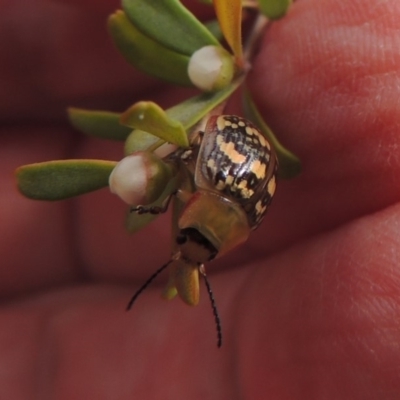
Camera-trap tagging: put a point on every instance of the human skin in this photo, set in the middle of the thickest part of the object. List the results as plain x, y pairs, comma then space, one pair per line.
310, 306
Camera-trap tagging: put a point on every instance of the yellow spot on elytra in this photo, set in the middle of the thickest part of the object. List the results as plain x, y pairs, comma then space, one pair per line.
211, 164
271, 186
229, 150
220, 185
242, 185
263, 142
260, 209
229, 180
247, 193
219, 140
249, 130
244, 191
222, 123
258, 168
241, 123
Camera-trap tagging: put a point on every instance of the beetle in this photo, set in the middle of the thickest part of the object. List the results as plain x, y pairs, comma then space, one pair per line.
228, 179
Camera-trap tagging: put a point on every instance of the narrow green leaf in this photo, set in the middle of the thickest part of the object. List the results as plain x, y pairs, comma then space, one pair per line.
289, 164
149, 117
146, 54
102, 124
169, 23
187, 113
58, 180
274, 9
214, 28
191, 111
140, 140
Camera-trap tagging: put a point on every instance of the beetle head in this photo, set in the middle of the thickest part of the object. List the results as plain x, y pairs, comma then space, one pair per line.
210, 225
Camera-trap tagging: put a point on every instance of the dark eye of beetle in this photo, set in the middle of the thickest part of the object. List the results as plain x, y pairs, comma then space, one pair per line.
181, 239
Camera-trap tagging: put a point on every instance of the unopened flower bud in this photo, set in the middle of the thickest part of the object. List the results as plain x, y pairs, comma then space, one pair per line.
211, 68
140, 178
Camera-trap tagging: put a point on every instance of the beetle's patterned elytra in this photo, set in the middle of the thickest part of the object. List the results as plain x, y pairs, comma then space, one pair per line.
237, 161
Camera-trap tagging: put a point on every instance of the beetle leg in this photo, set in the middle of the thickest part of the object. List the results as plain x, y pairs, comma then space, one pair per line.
154, 209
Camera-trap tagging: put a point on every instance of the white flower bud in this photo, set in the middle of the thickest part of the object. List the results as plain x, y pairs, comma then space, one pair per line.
211, 68
140, 178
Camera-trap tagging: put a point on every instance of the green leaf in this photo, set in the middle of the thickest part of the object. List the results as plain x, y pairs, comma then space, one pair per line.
214, 28
149, 117
140, 140
169, 23
58, 180
188, 113
274, 9
102, 124
146, 54
194, 109
289, 164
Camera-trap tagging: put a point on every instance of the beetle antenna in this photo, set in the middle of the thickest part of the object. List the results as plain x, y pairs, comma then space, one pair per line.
147, 283
213, 306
